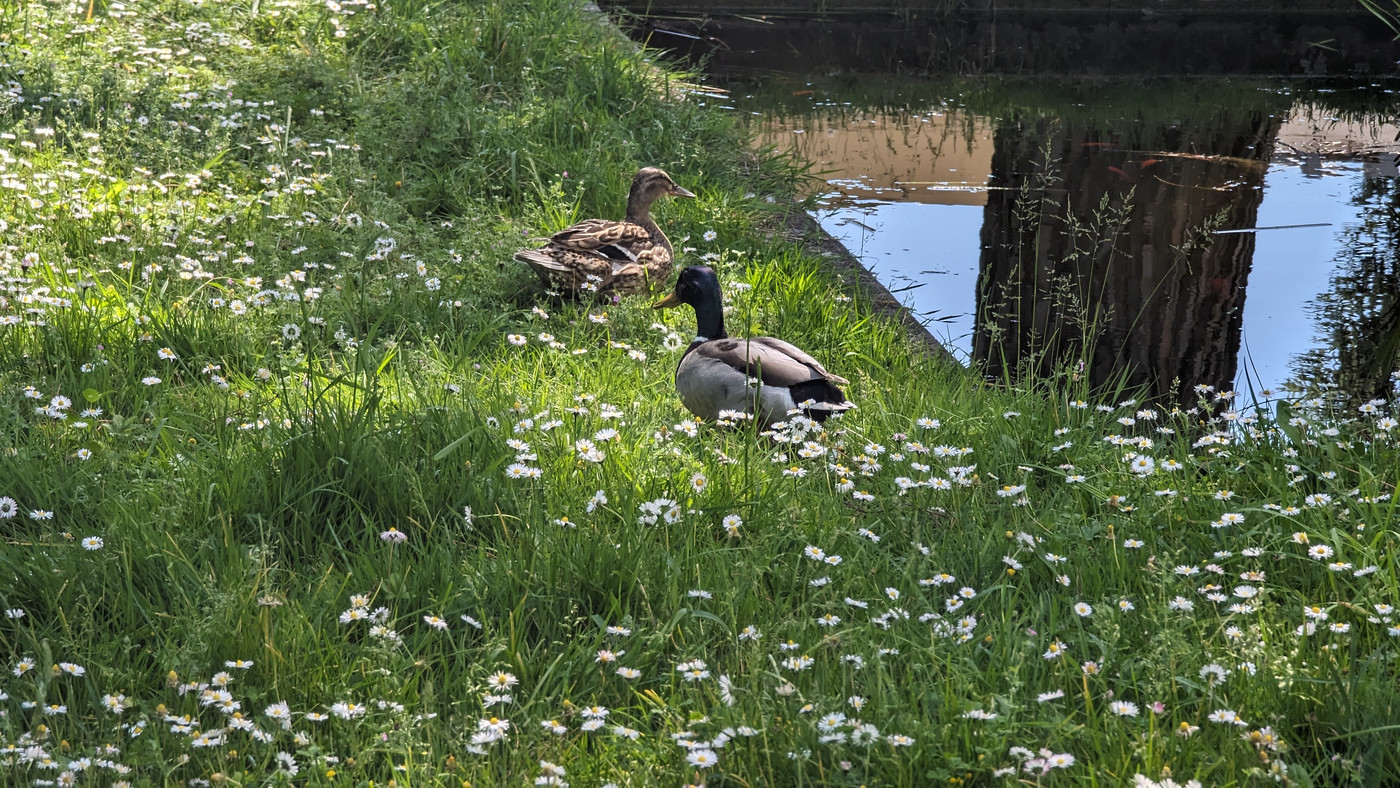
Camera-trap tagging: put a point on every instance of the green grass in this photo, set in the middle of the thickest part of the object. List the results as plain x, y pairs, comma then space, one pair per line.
162, 155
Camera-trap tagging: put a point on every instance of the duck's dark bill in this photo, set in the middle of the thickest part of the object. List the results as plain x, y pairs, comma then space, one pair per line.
677, 191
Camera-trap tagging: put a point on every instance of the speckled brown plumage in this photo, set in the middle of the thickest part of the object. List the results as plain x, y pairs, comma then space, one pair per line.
604, 256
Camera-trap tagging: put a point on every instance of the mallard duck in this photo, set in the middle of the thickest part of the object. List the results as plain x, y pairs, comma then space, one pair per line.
718, 373
604, 256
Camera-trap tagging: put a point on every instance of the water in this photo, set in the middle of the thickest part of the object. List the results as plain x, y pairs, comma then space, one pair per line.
1238, 233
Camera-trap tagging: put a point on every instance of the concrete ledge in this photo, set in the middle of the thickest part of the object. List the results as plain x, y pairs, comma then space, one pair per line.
1177, 39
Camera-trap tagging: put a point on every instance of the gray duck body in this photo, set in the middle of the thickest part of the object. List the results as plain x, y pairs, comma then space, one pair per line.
762, 376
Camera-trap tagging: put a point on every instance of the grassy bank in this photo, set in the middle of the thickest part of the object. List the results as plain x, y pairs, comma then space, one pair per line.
303, 480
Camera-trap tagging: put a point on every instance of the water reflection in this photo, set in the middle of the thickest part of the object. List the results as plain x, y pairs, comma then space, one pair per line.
941, 157
1358, 315
1120, 224
1098, 246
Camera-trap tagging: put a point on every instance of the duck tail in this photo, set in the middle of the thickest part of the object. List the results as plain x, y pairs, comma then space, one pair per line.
820, 399
540, 261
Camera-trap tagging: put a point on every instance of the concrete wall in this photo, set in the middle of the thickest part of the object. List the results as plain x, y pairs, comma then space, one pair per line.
845, 7
1076, 37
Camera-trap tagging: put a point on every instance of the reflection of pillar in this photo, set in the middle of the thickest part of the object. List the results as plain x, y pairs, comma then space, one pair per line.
1101, 238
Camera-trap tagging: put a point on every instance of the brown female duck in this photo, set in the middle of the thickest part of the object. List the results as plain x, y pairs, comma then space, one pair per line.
604, 256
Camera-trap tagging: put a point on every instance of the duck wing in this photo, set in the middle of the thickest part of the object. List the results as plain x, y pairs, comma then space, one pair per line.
773, 361
569, 267
649, 272
617, 241
778, 348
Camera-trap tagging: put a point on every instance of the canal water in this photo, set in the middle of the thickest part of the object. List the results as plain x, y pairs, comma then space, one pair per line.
1234, 232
